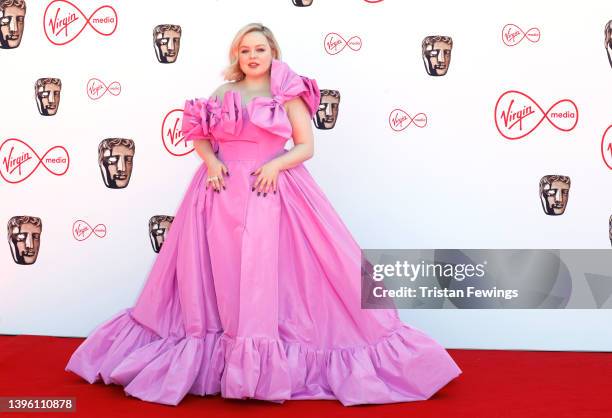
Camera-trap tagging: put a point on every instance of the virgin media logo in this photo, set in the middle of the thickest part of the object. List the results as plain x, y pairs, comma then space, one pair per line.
400, 120
96, 88
172, 135
517, 115
81, 230
513, 35
606, 147
63, 21
335, 43
18, 160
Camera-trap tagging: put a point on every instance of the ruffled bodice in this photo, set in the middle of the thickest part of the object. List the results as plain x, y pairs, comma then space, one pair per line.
263, 121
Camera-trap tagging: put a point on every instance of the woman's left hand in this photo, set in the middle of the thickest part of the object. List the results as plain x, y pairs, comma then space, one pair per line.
267, 175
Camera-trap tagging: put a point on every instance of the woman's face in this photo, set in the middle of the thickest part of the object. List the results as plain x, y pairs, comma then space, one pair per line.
254, 54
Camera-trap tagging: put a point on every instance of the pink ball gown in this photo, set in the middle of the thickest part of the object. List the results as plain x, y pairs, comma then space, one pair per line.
259, 297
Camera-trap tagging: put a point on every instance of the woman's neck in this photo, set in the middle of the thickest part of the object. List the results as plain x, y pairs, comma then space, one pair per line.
255, 84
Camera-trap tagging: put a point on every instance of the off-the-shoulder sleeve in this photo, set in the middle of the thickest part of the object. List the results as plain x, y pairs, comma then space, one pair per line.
199, 117
285, 84
311, 95
195, 119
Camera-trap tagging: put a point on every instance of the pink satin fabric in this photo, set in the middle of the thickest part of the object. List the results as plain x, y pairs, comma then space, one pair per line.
259, 297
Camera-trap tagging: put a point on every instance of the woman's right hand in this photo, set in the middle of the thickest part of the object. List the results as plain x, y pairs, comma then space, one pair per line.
216, 168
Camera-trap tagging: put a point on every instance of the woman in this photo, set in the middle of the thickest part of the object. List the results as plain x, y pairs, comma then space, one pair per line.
256, 290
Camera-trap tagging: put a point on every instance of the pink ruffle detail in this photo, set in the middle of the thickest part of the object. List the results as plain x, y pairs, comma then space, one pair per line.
164, 370
200, 116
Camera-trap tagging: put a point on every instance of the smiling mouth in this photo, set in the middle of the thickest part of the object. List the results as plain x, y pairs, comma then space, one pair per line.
120, 177
253, 65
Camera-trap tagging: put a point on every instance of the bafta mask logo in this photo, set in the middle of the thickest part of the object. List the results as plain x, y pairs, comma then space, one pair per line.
47, 91
554, 192
302, 3
24, 238
167, 40
327, 114
608, 40
437, 54
115, 158
159, 227
12, 18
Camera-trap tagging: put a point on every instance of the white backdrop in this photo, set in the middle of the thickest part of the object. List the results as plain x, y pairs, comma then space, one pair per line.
454, 184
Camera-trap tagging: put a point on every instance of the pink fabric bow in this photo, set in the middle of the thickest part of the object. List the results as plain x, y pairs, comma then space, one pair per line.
269, 113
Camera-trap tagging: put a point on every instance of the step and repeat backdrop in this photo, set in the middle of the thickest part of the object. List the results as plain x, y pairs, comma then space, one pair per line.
441, 125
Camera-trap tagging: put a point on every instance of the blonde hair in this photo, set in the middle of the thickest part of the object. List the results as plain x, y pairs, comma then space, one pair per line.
233, 72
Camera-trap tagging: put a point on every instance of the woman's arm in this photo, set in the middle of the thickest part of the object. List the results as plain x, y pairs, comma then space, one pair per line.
302, 135
204, 148
205, 151
215, 168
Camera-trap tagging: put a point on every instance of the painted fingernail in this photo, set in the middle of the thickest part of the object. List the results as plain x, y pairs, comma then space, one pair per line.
258, 193
253, 189
274, 191
228, 173
265, 194
223, 187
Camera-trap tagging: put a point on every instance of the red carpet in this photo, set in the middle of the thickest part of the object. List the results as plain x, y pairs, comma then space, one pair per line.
493, 384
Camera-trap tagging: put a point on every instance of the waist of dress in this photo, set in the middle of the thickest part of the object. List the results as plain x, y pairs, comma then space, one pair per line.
247, 150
